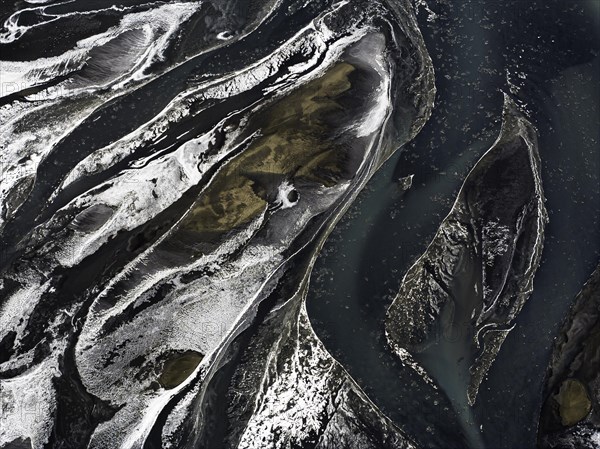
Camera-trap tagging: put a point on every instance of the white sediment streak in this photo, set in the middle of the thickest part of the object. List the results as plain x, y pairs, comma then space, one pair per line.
58, 110
28, 404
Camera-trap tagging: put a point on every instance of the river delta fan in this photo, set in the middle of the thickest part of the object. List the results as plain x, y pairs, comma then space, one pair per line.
170, 243
309, 224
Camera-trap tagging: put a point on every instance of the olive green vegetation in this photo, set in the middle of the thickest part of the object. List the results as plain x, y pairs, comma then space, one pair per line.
293, 145
574, 402
178, 368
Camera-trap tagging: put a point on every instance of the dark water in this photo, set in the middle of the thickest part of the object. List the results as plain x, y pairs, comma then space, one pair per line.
545, 53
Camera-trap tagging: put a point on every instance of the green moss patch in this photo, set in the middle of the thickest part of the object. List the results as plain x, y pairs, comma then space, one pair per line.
574, 402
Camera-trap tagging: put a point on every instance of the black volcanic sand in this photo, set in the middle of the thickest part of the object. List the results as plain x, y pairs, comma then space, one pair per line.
455, 304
